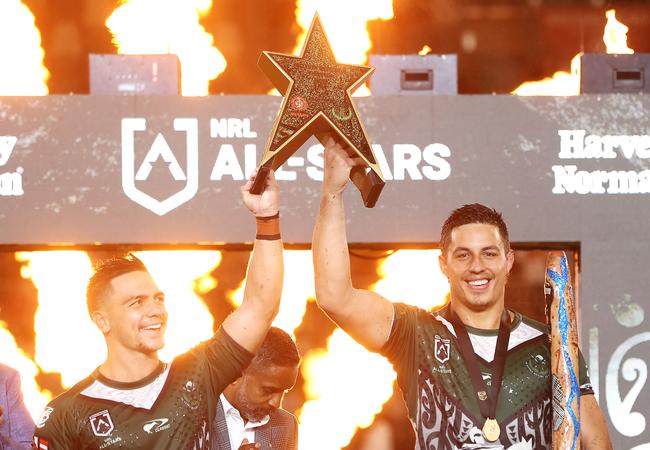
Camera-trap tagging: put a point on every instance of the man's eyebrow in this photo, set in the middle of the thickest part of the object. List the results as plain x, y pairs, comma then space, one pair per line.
133, 297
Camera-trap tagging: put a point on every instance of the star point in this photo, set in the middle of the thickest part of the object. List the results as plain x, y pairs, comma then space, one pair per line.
317, 100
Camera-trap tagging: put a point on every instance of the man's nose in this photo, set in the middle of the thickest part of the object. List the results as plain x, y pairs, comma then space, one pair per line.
275, 401
156, 308
476, 265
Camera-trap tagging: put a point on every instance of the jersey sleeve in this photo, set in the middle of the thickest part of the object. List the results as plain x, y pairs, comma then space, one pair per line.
401, 351
52, 430
585, 382
225, 360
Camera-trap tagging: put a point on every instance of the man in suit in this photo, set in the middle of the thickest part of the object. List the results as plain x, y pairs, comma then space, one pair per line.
248, 413
16, 425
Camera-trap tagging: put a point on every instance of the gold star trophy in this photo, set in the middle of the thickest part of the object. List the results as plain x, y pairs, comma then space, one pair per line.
317, 102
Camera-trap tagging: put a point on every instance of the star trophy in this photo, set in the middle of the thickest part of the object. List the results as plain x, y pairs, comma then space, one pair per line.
564, 353
317, 102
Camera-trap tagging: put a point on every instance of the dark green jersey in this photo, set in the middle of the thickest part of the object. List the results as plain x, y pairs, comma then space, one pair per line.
439, 393
170, 409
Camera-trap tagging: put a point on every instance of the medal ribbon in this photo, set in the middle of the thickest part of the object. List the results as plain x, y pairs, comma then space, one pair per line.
487, 403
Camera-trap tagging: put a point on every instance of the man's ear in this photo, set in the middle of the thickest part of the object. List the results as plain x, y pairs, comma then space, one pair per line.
442, 262
101, 320
510, 258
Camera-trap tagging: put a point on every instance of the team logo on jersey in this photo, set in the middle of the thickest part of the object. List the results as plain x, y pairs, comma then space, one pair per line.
101, 423
538, 366
44, 416
156, 425
191, 395
442, 349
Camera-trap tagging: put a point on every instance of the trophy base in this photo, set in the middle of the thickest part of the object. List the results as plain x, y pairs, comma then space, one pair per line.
369, 184
260, 179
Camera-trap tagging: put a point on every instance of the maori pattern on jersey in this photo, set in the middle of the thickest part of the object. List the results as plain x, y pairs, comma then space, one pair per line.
532, 425
443, 424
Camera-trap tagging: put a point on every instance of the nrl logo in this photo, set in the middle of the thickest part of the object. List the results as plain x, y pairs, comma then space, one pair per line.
160, 150
101, 423
442, 349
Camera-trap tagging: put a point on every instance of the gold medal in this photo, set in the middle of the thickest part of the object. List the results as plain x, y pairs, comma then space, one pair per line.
491, 430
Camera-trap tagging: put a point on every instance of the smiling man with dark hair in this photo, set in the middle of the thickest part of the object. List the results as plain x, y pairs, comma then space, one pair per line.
474, 375
135, 401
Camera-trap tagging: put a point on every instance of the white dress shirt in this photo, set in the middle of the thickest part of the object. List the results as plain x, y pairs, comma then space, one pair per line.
238, 428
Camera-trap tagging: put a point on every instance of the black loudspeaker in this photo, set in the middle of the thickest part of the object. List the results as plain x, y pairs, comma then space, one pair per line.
601, 73
414, 75
134, 75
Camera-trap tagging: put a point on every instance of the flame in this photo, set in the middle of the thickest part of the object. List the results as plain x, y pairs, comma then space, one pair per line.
297, 290
170, 26
615, 35
425, 51
347, 385
351, 398
23, 72
565, 83
64, 330
413, 277
345, 23
62, 326
35, 399
561, 83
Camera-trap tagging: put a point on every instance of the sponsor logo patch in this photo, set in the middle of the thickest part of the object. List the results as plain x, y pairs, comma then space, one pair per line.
156, 425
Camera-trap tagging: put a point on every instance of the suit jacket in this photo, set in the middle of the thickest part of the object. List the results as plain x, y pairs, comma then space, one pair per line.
279, 433
17, 428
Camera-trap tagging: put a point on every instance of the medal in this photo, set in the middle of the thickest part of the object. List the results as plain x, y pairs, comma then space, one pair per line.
491, 430
487, 403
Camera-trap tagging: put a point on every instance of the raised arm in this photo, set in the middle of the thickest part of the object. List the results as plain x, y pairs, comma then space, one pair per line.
364, 315
594, 434
250, 322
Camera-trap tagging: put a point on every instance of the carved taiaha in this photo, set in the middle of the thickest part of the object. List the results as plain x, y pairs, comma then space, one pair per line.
565, 384
317, 102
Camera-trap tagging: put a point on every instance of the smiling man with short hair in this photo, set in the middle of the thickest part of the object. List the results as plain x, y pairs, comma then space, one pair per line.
135, 401
474, 375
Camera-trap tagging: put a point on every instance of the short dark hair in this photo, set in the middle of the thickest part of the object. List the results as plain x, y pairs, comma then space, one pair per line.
278, 349
100, 282
474, 213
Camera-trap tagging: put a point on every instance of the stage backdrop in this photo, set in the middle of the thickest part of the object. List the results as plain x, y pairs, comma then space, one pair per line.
145, 170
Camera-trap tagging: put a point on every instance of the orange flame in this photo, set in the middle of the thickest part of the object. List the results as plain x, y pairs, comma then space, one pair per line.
62, 326
297, 290
35, 399
351, 398
615, 35
170, 26
345, 384
425, 51
345, 23
23, 72
565, 83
